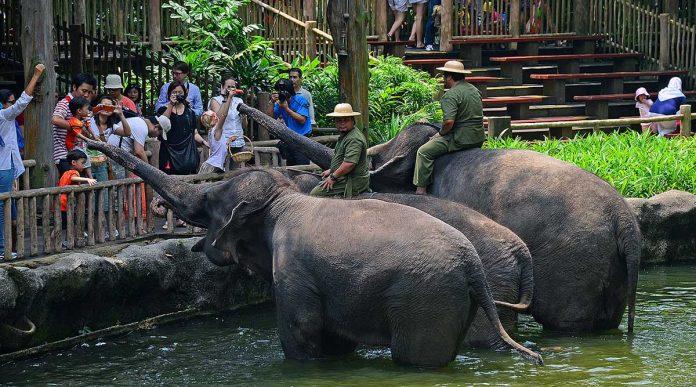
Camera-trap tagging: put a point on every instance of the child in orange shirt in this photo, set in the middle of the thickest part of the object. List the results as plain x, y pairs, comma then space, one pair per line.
77, 159
79, 124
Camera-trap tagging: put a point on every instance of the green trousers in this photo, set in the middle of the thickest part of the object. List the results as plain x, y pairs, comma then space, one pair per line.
428, 153
345, 188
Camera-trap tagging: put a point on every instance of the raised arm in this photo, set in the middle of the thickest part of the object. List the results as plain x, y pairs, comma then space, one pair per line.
18, 107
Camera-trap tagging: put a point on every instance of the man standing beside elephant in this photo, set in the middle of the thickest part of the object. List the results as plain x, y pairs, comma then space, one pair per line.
462, 126
348, 174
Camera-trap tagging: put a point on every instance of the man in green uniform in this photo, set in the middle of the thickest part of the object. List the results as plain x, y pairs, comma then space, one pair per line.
349, 175
462, 127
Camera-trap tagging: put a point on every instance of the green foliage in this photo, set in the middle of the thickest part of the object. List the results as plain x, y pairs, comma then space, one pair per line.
216, 39
637, 165
398, 95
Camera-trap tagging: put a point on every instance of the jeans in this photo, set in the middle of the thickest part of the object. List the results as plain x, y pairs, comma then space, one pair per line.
6, 179
101, 173
429, 38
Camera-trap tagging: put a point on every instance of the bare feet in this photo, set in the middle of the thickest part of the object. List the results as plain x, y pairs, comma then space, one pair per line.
421, 191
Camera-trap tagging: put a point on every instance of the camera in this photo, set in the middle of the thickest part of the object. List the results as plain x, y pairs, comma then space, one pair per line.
283, 95
180, 98
284, 89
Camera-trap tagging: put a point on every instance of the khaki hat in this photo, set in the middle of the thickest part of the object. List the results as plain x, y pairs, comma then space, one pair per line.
113, 81
343, 110
453, 66
164, 123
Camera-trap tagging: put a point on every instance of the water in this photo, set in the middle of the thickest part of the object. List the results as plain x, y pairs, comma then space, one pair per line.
243, 348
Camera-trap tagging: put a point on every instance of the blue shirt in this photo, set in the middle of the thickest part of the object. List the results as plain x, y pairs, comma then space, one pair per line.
194, 97
299, 105
668, 106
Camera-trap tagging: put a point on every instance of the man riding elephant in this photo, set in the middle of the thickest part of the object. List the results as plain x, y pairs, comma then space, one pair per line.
349, 174
462, 126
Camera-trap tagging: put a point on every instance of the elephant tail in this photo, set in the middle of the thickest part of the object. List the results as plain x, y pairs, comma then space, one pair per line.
629, 241
524, 261
482, 294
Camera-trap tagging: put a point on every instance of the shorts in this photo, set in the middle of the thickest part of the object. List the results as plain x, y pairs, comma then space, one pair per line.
399, 5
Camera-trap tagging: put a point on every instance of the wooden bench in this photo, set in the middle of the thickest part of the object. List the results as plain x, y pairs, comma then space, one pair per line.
511, 66
517, 107
598, 105
392, 47
526, 45
612, 83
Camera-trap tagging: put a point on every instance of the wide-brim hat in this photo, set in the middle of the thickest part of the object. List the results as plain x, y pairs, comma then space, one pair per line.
343, 110
113, 81
165, 124
641, 91
453, 66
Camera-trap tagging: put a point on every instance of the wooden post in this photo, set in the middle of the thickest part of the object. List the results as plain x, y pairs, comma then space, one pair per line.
671, 7
514, 18
309, 10
685, 127
349, 31
37, 46
79, 13
77, 49
581, 17
498, 125
310, 39
381, 20
265, 105
446, 25
155, 26
664, 41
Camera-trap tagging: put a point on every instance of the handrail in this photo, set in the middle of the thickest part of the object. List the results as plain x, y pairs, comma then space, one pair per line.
597, 123
292, 19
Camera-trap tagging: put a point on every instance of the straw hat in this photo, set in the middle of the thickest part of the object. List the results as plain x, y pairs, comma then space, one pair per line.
113, 81
343, 110
453, 66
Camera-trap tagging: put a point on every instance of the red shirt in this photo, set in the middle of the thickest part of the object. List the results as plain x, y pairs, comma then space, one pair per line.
66, 179
128, 103
71, 139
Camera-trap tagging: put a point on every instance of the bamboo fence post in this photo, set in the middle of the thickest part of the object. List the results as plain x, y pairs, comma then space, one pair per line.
57, 225
446, 25
685, 127
124, 206
20, 227
33, 230
310, 39
90, 219
139, 209
80, 221
131, 210
46, 223
8, 229
112, 204
70, 221
100, 216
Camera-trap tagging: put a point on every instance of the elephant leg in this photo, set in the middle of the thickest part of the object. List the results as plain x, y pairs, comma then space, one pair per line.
334, 345
426, 341
300, 326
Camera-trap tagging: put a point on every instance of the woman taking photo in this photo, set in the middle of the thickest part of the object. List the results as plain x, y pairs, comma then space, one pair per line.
228, 131
106, 115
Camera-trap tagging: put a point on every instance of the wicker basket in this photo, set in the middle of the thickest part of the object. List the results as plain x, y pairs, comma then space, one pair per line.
243, 156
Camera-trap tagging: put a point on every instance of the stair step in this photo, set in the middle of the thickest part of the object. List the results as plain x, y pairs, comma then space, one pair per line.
556, 110
501, 91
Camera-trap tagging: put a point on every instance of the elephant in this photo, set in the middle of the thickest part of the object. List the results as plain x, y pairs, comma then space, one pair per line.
343, 272
584, 240
506, 259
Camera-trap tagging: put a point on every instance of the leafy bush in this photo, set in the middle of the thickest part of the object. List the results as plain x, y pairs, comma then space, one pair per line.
637, 165
397, 96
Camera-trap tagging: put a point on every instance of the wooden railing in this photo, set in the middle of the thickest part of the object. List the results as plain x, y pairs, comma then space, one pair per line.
665, 42
502, 126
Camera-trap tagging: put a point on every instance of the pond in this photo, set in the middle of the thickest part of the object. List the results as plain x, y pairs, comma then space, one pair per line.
243, 348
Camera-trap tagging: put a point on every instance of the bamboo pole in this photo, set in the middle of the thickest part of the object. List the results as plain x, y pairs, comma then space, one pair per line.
20, 228
446, 25
664, 41
598, 123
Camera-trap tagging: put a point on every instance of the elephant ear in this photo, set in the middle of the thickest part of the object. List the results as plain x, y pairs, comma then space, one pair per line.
227, 237
397, 172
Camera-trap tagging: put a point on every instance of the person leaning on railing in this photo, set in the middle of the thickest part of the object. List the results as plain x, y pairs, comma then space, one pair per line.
11, 166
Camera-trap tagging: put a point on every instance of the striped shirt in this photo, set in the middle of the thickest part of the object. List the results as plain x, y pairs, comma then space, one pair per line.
60, 151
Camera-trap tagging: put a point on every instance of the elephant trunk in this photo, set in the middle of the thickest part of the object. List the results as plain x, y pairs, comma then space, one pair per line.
524, 260
187, 200
319, 154
482, 294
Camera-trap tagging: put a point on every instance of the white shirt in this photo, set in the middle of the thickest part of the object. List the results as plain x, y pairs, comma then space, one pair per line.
95, 129
9, 153
231, 127
139, 133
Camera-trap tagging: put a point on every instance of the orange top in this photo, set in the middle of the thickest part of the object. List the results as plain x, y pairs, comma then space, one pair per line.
66, 179
71, 139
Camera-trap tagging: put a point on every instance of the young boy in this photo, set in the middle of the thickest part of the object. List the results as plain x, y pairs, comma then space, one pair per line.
77, 159
79, 124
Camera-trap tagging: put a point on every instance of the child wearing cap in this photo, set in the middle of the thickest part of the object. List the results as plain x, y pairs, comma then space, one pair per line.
643, 104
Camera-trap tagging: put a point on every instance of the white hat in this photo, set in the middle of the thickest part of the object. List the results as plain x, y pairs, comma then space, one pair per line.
165, 124
641, 91
453, 66
343, 110
113, 81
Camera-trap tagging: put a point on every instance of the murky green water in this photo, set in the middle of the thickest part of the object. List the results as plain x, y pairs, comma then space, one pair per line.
243, 348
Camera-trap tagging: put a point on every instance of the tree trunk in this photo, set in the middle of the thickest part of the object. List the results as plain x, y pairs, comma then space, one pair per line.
348, 23
37, 47
155, 27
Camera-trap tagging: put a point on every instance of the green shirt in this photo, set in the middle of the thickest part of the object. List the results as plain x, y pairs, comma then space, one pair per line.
352, 147
463, 104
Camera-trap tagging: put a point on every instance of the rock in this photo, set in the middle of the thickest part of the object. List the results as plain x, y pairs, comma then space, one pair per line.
81, 291
668, 224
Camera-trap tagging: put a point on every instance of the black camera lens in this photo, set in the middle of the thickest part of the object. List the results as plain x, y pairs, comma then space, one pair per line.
180, 98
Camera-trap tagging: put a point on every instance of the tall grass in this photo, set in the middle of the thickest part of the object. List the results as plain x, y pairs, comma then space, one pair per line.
637, 165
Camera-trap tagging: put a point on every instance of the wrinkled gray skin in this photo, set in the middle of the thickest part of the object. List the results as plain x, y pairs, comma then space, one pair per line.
506, 260
583, 237
343, 272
